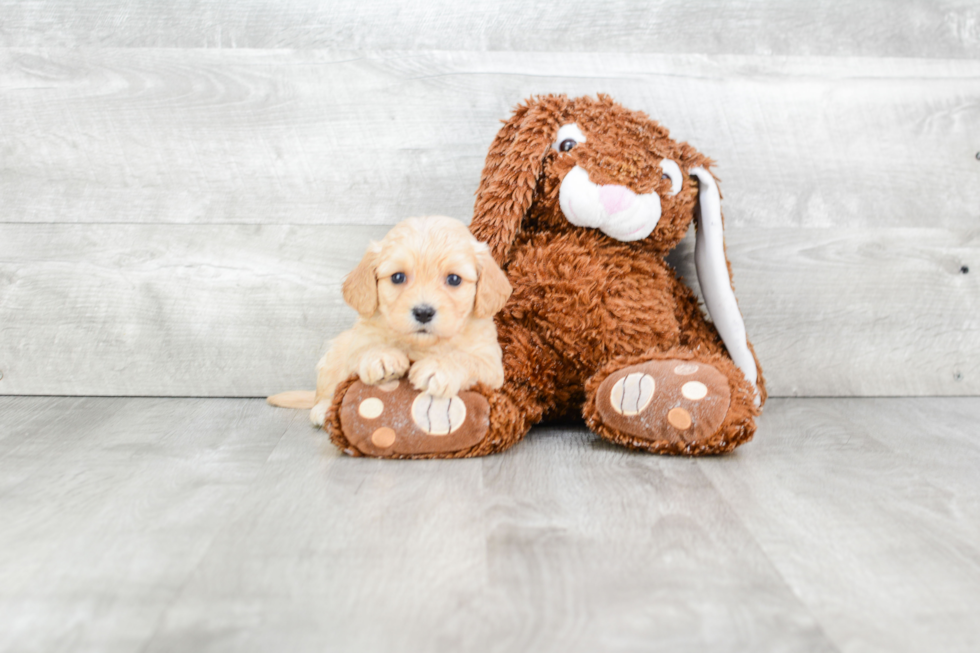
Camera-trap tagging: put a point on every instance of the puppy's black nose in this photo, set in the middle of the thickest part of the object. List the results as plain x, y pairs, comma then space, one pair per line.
423, 313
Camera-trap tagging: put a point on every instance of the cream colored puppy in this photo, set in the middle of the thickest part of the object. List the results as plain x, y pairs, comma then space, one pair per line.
426, 295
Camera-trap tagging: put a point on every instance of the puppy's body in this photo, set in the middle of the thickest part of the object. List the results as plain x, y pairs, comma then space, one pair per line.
426, 295
376, 355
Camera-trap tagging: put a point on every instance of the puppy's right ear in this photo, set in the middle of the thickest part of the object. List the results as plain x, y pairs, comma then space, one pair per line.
361, 285
511, 173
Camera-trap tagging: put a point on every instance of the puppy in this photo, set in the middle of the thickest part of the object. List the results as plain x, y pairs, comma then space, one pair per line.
425, 295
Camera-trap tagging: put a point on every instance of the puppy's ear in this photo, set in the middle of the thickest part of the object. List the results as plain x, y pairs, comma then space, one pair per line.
492, 286
511, 172
361, 285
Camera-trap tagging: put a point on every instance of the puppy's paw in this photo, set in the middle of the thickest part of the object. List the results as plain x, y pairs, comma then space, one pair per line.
435, 377
318, 415
382, 365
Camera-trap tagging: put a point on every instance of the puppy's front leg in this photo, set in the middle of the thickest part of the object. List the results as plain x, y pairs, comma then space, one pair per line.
330, 371
335, 366
440, 376
373, 366
382, 364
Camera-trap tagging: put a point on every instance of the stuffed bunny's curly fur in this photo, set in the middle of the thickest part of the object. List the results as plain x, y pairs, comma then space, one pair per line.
580, 201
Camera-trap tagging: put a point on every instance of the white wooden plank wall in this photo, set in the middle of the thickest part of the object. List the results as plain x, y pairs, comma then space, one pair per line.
184, 184
218, 136
947, 29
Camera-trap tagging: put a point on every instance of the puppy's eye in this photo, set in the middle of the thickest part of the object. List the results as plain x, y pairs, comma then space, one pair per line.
397, 278
454, 280
567, 144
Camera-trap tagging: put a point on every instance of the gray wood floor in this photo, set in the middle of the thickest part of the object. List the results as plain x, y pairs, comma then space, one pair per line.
140, 524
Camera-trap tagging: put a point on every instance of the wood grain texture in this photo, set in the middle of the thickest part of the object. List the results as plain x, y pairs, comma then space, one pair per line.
170, 309
914, 28
362, 556
856, 502
356, 557
245, 310
653, 572
109, 504
368, 137
858, 312
227, 525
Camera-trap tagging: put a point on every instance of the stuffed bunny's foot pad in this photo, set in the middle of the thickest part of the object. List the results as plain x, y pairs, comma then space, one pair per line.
394, 420
677, 401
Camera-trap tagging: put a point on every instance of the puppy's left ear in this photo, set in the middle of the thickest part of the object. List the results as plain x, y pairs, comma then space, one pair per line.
492, 286
361, 285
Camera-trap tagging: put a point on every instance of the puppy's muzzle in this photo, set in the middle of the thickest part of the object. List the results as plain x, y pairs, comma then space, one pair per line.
423, 314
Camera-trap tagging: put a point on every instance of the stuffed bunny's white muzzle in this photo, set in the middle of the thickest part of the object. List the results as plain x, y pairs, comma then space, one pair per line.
614, 210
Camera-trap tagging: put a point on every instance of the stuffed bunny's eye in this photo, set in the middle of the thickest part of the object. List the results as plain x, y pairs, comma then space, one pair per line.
672, 172
568, 137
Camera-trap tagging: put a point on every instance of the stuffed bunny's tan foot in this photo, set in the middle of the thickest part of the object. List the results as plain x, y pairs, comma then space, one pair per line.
669, 404
394, 420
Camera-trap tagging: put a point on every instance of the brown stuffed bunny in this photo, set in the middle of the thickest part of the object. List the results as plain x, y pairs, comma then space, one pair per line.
580, 201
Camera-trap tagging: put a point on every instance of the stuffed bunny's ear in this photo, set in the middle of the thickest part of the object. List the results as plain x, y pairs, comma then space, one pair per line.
510, 175
713, 276
361, 285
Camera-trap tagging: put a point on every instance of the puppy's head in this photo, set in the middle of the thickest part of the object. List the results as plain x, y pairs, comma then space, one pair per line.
426, 278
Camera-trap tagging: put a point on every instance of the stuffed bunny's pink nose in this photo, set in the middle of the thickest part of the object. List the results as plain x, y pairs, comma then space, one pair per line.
616, 198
